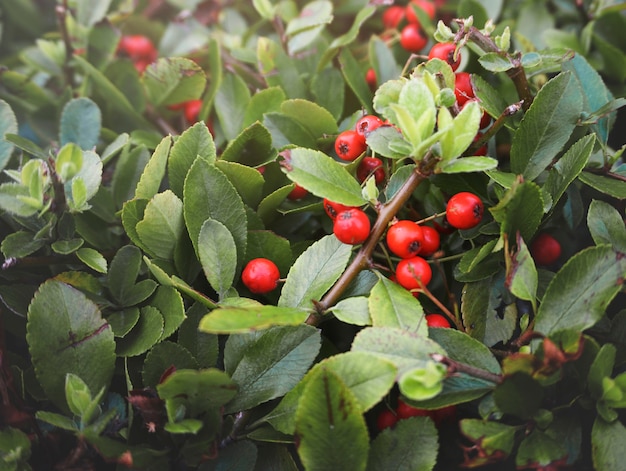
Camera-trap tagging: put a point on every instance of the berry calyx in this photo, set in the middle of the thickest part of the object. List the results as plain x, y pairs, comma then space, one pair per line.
464, 210
437, 320
392, 16
412, 38
369, 166
413, 273
349, 145
405, 238
463, 89
367, 124
332, 209
386, 419
432, 241
426, 6
297, 193
445, 52
351, 226
260, 275
545, 249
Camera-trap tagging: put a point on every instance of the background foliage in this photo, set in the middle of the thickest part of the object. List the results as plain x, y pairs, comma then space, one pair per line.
127, 339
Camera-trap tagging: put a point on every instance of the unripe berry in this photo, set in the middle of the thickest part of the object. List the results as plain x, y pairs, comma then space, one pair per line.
260, 275
351, 226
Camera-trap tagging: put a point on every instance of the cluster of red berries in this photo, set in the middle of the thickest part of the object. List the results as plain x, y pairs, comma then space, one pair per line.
412, 36
191, 109
139, 49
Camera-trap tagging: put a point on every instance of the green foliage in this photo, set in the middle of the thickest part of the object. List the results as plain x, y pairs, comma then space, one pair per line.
127, 217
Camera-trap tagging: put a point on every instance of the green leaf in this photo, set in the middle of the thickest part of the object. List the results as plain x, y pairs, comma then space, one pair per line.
90, 12
470, 164
93, 259
153, 173
461, 134
203, 346
383, 60
495, 62
415, 111
252, 147
80, 123
314, 272
66, 334
495, 439
323, 176
608, 186
218, 255
195, 142
390, 305
8, 125
353, 75
568, 167
385, 141
286, 132
209, 194
163, 356
128, 169
519, 395
173, 80
247, 181
145, 334
354, 310
329, 89
21, 244
272, 364
266, 244
410, 445
539, 448
162, 225
607, 445
264, 101
26, 145
601, 368
58, 420
68, 161
229, 320
522, 278
122, 322
123, 272
66, 247
231, 102
520, 209
15, 449
546, 126
79, 397
332, 432
278, 69
606, 225
424, 382
304, 29
578, 295
317, 120
170, 304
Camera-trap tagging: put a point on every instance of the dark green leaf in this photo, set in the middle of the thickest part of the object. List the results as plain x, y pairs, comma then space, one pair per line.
495, 439
519, 395
607, 445
578, 295
264, 101
287, 132
539, 449
546, 126
348, 37
329, 89
522, 278
355, 78
173, 80
606, 185
127, 174
122, 322
520, 209
203, 346
8, 125
247, 181
154, 171
163, 356
252, 147
162, 225
606, 225
20, 244
218, 255
170, 304
66, 334
145, 334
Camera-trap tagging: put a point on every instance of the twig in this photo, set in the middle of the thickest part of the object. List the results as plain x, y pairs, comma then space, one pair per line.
457, 367
61, 12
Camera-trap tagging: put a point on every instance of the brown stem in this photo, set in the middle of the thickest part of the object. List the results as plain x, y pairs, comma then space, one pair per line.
61, 12
494, 128
616, 176
457, 367
363, 257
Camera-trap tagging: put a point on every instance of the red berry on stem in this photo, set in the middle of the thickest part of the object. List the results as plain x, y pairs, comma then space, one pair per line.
405, 238
368, 166
297, 193
545, 249
432, 240
351, 226
392, 16
445, 52
367, 124
404, 411
482, 150
411, 271
463, 88
412, 38
370, 78
426, 6
260, 275
437, 320
349, 145
464, 210
386, 419
332, 208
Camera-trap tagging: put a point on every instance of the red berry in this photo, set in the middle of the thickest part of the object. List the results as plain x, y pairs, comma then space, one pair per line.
141, 64
392, 16
332, 208
370, 78
369, 166
138, 47
386, 419
482, 150
192, 109
410, 271
405, 238
367, 124
349, 145
432, 240
412, 38
351, 226
437, 320
485, 120
545, 249
445, 414
464, 210
404, 411
445, 52
260, 275
425, 5
463, 88
297, 193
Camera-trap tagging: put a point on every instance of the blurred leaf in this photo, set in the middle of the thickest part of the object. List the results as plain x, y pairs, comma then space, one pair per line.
278, 69
304, 29
470, 164
173, 80
578, 295
162, 225
314, 272
273, 364
348, 37
20, 244
355, 78
606, 225
546, 126
390, 305
329, 89
218, 255
332, 432
231, 103
383, 60
228, 320
495, 439
80, 123
145, 334
203, 346
62, 321
322, 176
539, 448
8, 125
90, 12
519, 395
607, 445
411, 444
